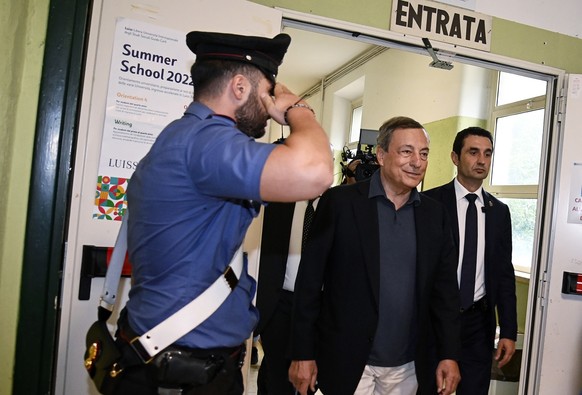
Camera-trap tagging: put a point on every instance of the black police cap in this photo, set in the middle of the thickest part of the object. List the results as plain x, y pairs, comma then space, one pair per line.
264, 53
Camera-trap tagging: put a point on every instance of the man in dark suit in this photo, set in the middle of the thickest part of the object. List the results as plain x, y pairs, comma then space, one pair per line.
281, 244
378, 272
492, 275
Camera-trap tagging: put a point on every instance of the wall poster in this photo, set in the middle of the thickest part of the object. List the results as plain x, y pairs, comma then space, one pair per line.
149, 86
575, 202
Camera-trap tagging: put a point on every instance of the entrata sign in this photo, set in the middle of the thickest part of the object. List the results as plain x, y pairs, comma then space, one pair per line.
442, 23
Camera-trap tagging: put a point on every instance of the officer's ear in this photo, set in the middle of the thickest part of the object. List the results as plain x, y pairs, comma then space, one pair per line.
240, 88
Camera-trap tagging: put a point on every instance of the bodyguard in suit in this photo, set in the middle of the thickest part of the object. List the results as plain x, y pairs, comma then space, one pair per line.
379, 269
284, 227
490, 282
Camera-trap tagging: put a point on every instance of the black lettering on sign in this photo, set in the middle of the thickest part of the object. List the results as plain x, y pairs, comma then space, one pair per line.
440, 21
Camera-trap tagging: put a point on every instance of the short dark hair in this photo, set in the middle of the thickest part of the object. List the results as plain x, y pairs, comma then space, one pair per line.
387, 129
470, 131
209, 77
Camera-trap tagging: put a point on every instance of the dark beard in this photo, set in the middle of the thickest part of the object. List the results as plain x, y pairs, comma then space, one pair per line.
250, 118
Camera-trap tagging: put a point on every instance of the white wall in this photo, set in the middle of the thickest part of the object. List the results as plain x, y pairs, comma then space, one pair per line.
545, 14
402, 83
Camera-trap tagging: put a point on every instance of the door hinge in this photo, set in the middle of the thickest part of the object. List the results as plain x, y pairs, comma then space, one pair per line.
543, 289
561, 106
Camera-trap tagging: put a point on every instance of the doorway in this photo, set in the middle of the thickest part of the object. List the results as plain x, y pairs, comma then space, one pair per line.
381, 78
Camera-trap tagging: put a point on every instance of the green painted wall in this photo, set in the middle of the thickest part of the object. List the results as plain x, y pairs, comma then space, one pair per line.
442, 133
537, 46
509, 39
521, 290
23, 26
23, 23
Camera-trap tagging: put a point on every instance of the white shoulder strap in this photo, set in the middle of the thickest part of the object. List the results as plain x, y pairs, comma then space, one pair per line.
182, 321
191, 315
113, 274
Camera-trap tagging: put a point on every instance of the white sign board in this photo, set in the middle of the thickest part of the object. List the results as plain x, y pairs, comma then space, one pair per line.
575, 204
432, 20
149, 86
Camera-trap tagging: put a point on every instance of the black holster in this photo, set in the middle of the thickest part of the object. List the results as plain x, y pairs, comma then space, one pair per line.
176, 368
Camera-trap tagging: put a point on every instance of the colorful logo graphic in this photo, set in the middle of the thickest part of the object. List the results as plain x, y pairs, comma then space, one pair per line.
110, 200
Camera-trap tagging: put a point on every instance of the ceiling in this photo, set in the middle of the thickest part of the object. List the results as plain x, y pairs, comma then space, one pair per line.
312, 56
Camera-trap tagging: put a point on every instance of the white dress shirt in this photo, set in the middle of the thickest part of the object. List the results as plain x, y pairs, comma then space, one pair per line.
295, 244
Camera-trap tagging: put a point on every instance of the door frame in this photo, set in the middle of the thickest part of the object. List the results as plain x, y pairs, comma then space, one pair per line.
46, 224
538, 287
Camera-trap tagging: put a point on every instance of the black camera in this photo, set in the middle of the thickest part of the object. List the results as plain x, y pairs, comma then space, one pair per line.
365, 170
368, 161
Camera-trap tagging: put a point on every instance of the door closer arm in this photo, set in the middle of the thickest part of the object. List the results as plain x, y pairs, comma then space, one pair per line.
439, 64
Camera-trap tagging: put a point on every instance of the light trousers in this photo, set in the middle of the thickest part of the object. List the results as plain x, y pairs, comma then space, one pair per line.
399, 380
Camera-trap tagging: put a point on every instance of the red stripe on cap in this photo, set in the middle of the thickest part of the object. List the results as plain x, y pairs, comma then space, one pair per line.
224, 55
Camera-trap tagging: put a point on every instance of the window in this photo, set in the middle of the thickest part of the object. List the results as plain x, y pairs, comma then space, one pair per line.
517, 136
513, 88
522, 226
518, 124
356, 122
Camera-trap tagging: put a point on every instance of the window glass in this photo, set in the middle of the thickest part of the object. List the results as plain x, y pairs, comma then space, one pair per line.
523, 215
356, 124
514, 88
518, 143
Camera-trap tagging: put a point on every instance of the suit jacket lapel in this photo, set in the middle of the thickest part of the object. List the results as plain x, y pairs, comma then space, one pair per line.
422, 239
366, 219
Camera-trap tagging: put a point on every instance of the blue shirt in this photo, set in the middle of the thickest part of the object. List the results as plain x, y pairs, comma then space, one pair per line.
192, 199
394, 343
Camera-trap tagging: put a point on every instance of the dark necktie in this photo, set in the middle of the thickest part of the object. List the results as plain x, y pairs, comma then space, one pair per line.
309, 213
469, 254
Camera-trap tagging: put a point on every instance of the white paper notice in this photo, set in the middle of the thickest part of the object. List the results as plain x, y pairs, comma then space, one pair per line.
575, 202
149, 86
575, 87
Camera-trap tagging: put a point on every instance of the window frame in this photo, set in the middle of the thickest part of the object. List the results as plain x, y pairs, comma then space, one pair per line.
515, 191
355, 104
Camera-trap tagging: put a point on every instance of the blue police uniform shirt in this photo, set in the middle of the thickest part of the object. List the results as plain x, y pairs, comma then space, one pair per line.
192, 199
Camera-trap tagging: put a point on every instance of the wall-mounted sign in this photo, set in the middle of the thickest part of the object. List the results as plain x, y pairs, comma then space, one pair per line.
575, 203
149, 86
443, 23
